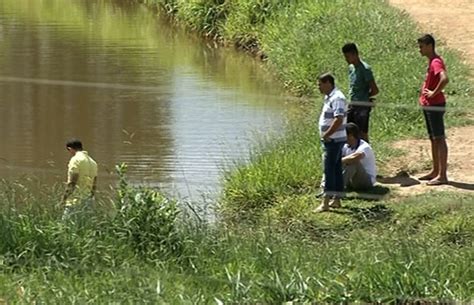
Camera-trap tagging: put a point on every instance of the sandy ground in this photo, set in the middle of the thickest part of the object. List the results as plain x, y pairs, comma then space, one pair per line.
452, 22
416, 161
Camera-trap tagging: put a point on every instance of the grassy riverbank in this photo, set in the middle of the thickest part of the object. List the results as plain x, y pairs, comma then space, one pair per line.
392, 250
300, 40
417, 249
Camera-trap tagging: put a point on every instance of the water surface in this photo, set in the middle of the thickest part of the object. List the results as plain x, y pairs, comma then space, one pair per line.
132, 88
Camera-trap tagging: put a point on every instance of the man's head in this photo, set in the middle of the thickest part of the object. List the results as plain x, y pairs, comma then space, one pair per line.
426, 43
326, 83
73, 146
351, 54
353, 134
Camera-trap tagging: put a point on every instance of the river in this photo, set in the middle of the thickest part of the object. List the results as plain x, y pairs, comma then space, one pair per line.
134, 89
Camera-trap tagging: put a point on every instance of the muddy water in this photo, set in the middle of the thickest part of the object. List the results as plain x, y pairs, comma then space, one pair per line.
133, 89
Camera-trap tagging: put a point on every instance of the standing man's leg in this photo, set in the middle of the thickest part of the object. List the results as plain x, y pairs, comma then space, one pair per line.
435, 156
332, 155
439, 138
351, 114
328, 176
364, 116
434, 149
439, 149
360, 115
442, 160
339, 178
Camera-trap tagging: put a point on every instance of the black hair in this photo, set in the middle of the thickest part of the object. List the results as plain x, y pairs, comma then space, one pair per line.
350, 48
327, 77
427, 39
74, 144
353, 130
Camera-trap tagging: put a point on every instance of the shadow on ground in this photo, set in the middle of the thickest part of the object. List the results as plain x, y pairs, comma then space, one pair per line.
462, 185
375, 193
402, 178
378, 212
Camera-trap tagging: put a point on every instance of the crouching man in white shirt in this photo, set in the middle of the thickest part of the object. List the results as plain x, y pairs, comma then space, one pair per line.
358, 161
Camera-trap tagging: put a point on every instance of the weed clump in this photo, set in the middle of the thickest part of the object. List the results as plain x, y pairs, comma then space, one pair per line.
146, 218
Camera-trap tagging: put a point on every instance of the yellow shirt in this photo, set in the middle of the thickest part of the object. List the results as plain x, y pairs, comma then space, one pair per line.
83, 165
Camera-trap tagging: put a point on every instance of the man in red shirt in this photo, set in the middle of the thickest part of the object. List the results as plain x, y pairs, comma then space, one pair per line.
433, 102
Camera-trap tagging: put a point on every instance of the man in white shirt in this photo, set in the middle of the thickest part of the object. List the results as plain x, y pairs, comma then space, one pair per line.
333, 136
358, 161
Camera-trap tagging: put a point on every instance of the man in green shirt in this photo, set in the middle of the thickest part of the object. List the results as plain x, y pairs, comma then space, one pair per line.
362, 90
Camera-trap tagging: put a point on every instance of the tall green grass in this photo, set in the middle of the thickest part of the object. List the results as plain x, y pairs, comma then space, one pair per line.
417, 250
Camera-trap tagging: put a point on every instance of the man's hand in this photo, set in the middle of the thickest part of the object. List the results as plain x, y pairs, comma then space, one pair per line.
66, 195
71, 185
443, 80
336, 123
325, 137
428, 93
353, 158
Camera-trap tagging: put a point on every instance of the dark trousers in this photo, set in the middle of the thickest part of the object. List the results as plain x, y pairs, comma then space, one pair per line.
334, 180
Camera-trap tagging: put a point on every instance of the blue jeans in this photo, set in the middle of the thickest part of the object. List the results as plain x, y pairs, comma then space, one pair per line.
334, 183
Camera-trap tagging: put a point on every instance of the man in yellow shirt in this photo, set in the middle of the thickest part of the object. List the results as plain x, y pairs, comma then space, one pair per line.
81, 179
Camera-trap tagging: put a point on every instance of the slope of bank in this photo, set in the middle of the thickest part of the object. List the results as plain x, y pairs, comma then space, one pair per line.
301, 39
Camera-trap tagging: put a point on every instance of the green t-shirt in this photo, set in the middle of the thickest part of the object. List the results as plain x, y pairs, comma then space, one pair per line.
359, 79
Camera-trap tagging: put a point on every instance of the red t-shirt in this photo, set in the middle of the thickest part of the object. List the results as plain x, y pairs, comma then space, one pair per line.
435, 67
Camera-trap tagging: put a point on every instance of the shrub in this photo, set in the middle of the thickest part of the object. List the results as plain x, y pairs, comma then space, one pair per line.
146, 218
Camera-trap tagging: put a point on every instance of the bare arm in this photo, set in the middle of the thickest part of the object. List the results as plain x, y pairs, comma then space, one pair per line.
353, 158
336, 123
373, 89
70, 187
443, 81
94, 187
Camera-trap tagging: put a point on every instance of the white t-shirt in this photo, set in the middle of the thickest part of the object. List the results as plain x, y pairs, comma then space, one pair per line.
368, 161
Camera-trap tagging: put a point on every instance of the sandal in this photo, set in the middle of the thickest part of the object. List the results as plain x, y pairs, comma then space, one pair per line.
321, 208
437, 182
335, 204
426, 177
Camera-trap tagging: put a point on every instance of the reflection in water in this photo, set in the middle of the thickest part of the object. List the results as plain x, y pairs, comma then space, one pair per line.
134, 90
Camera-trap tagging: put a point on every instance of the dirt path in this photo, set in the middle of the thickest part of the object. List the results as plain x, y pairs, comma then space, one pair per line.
449, 20
452, 22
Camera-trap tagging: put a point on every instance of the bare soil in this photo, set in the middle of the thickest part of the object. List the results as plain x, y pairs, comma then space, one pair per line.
452, 22
416, 161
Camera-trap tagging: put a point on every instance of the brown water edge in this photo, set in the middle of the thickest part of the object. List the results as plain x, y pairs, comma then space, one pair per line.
133, 89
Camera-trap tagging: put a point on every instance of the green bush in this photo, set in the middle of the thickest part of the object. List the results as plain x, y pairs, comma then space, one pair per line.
146, 218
